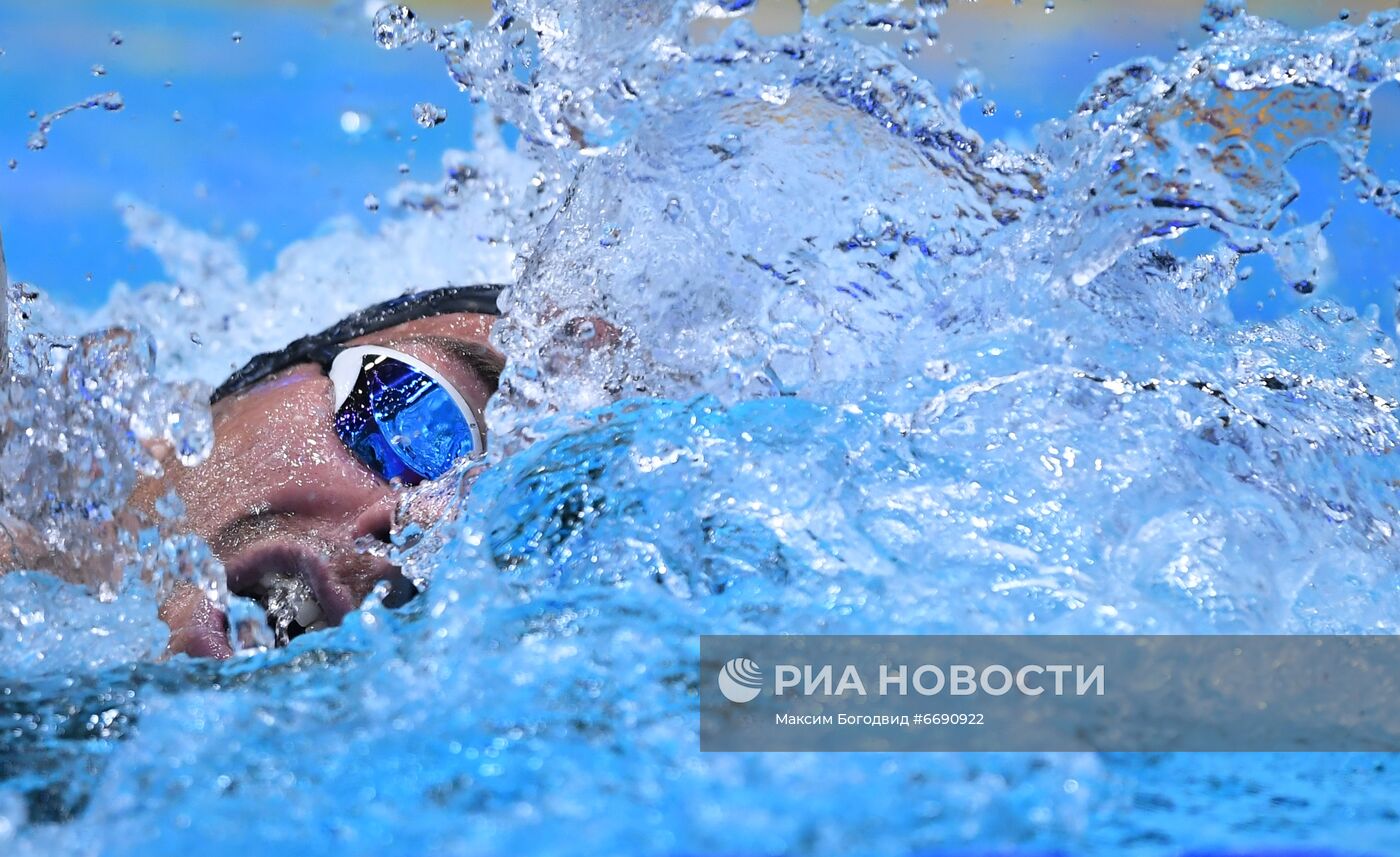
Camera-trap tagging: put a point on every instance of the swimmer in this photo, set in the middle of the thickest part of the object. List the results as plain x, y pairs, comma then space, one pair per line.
309, 444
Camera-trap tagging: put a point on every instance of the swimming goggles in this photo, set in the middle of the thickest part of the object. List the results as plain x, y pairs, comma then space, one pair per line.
399, 417
394, 413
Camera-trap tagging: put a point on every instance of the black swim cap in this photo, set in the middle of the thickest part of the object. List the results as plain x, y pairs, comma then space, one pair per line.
321, 347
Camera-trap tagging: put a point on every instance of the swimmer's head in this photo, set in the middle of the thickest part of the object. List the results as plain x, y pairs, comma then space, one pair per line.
309, 445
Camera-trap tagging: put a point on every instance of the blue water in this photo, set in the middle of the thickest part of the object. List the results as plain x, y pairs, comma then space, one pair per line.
798, 344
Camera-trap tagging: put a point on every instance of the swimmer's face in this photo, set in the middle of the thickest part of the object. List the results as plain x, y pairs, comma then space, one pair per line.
288, 508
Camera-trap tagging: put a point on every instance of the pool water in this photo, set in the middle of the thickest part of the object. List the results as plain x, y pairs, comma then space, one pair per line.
848, 366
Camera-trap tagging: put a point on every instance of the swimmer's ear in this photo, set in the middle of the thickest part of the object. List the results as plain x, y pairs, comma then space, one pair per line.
592, 332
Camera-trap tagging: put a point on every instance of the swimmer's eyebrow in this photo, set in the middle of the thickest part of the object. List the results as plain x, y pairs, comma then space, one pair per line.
478, 359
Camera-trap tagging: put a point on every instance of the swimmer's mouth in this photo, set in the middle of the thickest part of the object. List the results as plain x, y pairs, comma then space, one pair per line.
291, 584
291, 606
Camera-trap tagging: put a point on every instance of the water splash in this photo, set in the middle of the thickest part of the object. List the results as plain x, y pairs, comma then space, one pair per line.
792, 350
210, 314
110, 101
83, 419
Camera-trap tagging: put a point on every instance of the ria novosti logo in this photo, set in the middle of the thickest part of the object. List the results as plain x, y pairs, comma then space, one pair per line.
740, 680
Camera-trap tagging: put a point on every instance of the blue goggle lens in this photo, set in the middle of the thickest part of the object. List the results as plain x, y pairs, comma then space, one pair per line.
403, 424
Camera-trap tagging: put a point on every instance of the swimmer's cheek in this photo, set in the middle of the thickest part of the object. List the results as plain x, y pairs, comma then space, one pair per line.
197, 627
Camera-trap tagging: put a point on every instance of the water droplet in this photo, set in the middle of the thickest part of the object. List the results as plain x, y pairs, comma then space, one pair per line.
99, 70
237, 37
395, 25
371, 202
115, 38
428, 114
1181, 45
1049, 6
1303, 257
1344, 14
778, 95
989, 108
177, 117
403, 169
13, 163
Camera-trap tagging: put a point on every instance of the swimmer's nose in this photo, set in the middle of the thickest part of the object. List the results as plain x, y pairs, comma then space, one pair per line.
376, 521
